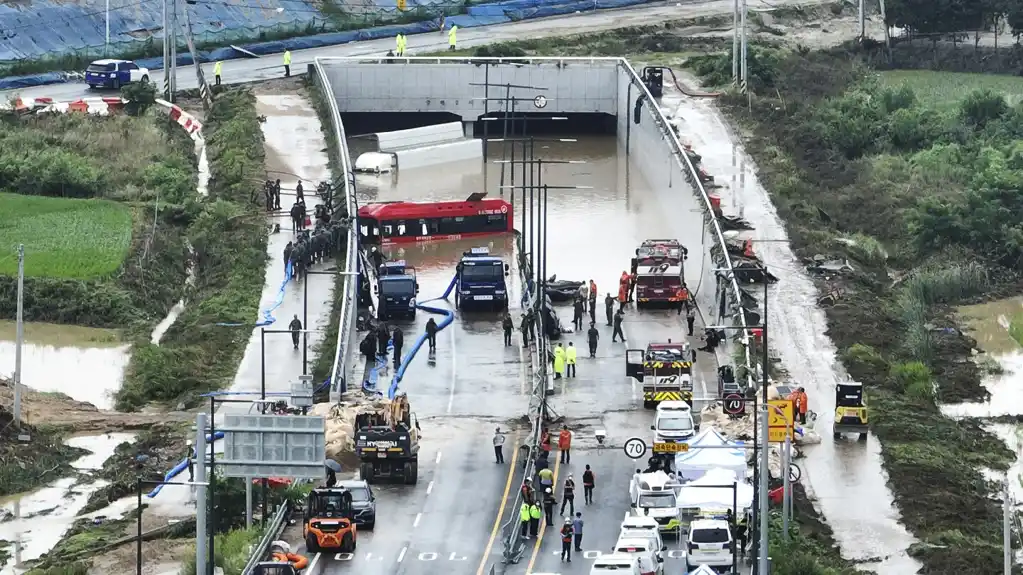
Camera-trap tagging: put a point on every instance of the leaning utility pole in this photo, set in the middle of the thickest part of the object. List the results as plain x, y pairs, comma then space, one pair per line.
744, 82
20, 338
166, 53
735, 43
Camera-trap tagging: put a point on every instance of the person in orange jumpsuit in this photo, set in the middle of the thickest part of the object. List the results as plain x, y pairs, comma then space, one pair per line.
565, 444
800, 401
623, 290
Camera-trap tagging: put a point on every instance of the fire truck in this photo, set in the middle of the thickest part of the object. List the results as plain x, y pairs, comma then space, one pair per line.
664, 369
660, 273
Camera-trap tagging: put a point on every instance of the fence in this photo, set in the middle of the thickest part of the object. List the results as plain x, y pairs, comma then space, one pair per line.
273, 533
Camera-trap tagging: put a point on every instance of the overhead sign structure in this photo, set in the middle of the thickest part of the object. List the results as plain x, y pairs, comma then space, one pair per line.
734, 404
273, 446
635, 448
780, 421
669, 447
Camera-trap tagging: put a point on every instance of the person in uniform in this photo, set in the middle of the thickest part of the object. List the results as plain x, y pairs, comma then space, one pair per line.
619, 316
570, 358
499, 437
609, 308
592, 336
431, 334
398, 341
567, 535
507, 325
295, 326
568, 495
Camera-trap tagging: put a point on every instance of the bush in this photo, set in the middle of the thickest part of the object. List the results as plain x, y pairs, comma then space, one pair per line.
982, 107
231, 551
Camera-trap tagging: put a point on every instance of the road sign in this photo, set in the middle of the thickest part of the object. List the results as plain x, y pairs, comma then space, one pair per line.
540, 101
273, 446
402, 5
734, 404
671, 447
780, 425
302, 391
635, 448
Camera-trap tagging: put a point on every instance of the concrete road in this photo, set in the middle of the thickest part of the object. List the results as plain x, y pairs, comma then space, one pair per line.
271, 66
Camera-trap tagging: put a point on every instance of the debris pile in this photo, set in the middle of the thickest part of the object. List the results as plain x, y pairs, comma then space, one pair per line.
340, 424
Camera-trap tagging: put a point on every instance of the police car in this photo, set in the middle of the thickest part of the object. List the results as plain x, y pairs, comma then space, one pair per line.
114, 74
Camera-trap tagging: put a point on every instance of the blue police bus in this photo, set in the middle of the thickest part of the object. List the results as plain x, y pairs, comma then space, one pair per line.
396, 290
481, 281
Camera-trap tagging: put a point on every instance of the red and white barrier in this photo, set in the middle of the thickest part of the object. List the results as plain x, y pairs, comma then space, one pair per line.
99, 107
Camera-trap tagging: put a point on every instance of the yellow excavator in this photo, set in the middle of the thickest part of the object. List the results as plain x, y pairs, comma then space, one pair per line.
850, 410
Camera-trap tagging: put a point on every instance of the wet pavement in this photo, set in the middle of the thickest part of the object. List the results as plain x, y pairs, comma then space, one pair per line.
56, 357
269, 67
38, 520
845, 477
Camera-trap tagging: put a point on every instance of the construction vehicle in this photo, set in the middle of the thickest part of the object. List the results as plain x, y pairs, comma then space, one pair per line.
328, 524
396, 290
664, 369
387, 443
659, 272
850, 410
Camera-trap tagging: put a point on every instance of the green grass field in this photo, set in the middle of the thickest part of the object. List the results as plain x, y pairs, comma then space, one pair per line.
945, 89
75, 239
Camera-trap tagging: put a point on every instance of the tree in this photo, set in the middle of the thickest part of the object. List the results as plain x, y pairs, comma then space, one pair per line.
140, 96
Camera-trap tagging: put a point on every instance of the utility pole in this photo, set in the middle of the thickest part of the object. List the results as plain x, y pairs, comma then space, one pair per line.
166, 53
1007, 528
863, 23
735, 43
106, 45
173, 50
20, 338
765, 433
744, 81
200, 493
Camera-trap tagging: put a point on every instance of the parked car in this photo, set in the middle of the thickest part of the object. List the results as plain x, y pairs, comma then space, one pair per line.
364, 503
114, 73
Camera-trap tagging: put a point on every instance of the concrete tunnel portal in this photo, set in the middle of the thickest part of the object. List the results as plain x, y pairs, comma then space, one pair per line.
623, 153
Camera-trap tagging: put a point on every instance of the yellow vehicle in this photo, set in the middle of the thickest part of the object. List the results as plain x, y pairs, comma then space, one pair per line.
850, 410
329, 524
664, 369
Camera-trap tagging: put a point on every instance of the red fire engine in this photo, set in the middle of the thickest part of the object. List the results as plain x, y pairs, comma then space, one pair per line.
660, 273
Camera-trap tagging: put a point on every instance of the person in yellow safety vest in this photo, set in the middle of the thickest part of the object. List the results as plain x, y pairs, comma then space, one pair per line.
400, 42
287, 63
524, 519
217, 68
559, 361
452, 38
570, 355
535, 513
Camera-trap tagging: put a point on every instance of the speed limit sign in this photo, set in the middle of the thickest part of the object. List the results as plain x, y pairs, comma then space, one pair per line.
635, 448
734, 404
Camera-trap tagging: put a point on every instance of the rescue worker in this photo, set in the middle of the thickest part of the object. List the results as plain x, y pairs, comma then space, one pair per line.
559, 362
397, 45
499, 445
570, 357
528, 493
588, 483
568, 495
531, 324
799, 404
507, 325
189, 454
268, 199
299, 192
548, 505
452, 38
632, 286
609, 307
546, 478
577, 313
567, 534
383, 336
369, 345
287, 256
534, 518
592, 336
623, 290
542, 461
296, 216
398, 341
545, 440
690, 317
565, 444
524, 328
287, 63
711, 340
295, 326
524, 519
217, 69
281, 553
619, 316
577, 528
431, 334
277, 194
593, 300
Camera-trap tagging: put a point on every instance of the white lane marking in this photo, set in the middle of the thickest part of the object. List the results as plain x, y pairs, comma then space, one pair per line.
429, 488
438, 458
418, 517
312, 564
454, 375
401, 556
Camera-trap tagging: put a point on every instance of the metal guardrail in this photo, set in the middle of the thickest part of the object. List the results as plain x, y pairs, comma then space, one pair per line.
349, 303
273, 533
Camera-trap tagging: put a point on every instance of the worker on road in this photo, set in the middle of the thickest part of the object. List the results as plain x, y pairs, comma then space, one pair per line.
567, 534
570, 357
588, 483
548, 506
568, 496
189, 454
592, 336
535, 513
217, 69
565, 444
578, 309
609, 308
690, 317
577, 527
619, 316
397, 45
528, 493
545, 441
593, 300
287, 256
524, 518
546, 478
507, 325
398, 341
299, 192
383, 336
632, 286
623, 291
524, 328
287, 63
295, 326
499, 445
799, 404
559, 362
452, 38
431, 334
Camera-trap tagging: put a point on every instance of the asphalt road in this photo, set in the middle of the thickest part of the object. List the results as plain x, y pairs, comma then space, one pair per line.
271, 66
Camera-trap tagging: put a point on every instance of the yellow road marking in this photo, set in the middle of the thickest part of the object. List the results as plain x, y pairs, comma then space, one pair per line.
543, 521
500, 510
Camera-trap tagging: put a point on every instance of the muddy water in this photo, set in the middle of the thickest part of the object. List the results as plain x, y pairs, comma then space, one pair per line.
989, 324
845, 476
40, 518
84, 363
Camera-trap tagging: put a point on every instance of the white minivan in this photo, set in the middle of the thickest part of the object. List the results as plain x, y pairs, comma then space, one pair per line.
643, 527
673, 422
642, 548
615, 564
709, 543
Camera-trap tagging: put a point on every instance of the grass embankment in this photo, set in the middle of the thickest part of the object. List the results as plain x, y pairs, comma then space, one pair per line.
228, 233
25, 466
231, 551
935, 182
107, 258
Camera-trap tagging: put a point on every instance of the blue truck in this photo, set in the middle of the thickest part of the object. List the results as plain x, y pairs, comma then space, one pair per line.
396, 290
481, 283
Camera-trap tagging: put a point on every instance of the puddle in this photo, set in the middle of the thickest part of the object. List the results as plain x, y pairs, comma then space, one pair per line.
41, 518
86, 364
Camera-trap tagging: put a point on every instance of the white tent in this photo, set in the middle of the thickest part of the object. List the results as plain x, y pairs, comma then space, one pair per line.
713, 491
695, 462
703, 570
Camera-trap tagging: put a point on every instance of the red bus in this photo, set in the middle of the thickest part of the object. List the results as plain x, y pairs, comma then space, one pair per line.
406, 222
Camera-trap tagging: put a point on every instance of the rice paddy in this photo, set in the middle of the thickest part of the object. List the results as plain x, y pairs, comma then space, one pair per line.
944, 90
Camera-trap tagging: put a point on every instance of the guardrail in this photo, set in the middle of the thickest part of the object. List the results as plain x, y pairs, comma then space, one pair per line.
273, 533
349, 303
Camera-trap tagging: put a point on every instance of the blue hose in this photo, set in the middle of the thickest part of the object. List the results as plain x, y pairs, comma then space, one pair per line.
449, 316
181, 466
268, 313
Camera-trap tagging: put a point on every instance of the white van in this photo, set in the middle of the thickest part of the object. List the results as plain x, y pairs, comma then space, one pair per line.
643, 527
709, 543
615, 564
642, 548
673, 422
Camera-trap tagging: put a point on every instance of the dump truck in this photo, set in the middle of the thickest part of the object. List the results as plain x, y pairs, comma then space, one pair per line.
387, 443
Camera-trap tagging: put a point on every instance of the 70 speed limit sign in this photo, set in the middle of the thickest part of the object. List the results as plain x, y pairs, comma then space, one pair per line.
635, 448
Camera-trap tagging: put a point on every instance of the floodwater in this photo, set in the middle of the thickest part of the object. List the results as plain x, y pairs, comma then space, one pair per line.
86, 364
846, 477
39, 519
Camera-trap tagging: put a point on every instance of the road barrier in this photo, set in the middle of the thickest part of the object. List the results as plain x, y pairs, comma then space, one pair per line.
273, 532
